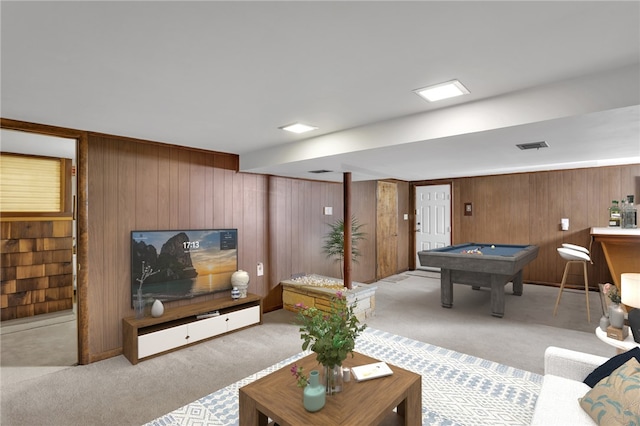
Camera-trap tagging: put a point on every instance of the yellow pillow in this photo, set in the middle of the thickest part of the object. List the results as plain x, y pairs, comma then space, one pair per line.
615, 400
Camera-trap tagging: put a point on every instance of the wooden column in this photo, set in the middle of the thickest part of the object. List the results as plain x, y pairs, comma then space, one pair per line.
346, 189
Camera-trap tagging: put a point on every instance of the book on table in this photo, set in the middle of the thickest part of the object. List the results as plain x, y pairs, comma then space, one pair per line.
371, 371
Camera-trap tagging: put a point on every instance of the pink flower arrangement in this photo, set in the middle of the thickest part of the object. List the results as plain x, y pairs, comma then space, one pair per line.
612, 292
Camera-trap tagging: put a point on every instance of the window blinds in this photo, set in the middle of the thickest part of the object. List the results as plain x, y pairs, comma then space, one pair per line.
30, 184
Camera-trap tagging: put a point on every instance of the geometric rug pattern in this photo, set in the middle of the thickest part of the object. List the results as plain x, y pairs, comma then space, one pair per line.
457, 389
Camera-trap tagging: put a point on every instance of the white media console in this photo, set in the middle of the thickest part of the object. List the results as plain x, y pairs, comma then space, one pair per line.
185, 325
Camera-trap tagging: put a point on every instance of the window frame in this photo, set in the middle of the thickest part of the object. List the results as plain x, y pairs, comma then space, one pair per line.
66, 198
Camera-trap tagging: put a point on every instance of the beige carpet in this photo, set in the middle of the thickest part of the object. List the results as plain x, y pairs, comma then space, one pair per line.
114, 392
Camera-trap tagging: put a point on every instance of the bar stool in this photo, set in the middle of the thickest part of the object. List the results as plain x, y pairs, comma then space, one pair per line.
574, 255
575, 247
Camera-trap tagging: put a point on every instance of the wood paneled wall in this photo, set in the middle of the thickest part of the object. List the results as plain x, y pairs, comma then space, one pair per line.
527, 208
37, 267
298, 226
363, 207
140, 185
405, 231
137, 185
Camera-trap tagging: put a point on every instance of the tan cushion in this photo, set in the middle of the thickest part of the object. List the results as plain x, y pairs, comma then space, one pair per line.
615, 400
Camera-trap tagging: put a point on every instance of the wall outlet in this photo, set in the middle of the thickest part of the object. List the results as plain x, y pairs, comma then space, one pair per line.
260, 269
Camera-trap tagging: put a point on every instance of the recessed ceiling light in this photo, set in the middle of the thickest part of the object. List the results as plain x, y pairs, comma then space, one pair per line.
298, 128
440, 91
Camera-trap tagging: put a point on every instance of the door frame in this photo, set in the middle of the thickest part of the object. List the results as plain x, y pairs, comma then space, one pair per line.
82, 220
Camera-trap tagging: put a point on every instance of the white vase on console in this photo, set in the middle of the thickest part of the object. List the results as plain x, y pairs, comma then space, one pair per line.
240, 280
157, 309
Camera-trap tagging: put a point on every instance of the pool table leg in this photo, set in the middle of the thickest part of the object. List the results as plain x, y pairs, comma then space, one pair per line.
497, 295
446, 288
517, 283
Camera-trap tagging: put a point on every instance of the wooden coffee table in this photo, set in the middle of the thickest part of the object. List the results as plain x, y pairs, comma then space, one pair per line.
371, 402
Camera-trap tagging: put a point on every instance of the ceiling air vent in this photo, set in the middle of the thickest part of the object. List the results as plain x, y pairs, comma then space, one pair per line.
533, 145
320, 171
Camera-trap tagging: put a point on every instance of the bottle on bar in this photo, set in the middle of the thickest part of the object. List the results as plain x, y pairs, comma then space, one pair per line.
630, 214
614, 214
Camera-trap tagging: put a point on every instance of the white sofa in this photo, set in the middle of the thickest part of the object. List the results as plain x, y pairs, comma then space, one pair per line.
564, 371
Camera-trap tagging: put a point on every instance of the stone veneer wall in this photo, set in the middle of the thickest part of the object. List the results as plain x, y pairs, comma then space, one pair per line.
37, 267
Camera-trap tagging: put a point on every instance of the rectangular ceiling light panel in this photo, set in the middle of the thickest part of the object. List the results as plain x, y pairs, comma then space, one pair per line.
441, 91
298, 128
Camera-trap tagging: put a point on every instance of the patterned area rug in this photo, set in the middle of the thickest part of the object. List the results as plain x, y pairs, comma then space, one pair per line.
457, 389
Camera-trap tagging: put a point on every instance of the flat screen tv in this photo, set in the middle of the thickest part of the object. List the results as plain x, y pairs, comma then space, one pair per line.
182, 264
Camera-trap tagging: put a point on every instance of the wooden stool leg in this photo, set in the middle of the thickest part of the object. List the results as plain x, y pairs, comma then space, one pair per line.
564, 279
586, 290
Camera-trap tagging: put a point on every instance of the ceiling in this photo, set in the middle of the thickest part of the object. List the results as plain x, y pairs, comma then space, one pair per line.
223, 76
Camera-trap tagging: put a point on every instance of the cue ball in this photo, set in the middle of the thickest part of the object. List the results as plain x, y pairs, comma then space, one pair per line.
492, 246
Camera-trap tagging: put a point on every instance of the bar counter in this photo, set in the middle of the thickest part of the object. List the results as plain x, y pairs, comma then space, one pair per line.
621, 248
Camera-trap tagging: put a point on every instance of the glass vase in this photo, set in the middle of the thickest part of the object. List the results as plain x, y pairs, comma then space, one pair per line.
616, 315
313, 396
332, 379
138, 304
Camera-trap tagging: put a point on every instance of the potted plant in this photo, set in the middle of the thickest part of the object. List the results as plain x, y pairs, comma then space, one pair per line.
331, 335
334, 241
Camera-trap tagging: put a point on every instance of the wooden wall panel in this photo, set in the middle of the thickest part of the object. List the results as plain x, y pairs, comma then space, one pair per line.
197, 186
386, 229
405, 233
140, 185
363, 206
526, 208
297, 227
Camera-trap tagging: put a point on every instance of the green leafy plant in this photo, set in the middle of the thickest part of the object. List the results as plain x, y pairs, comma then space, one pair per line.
331, 335
334, 240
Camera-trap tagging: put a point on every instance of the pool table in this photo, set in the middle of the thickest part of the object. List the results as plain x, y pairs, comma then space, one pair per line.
480, 265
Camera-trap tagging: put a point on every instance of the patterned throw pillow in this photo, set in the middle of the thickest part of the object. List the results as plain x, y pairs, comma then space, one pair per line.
611, 365
615, 400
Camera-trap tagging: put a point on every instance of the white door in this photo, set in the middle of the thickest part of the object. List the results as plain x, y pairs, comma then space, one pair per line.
433, 219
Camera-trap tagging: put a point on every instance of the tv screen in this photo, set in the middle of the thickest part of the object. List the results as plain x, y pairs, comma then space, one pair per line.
182, 264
